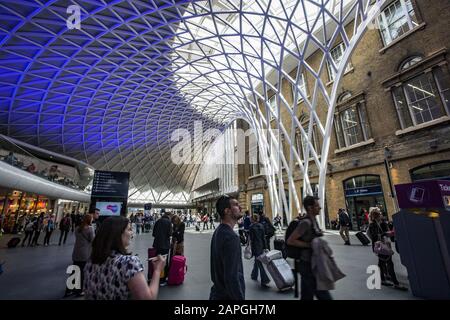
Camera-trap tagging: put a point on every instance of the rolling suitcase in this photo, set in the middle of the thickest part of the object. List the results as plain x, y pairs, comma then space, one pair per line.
177, 270
13, 242
279, 269
363, 238
281, 273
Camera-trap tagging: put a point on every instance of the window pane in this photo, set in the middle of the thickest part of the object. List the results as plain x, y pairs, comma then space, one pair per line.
364, 121
336, 54
301, 87
350, 127
273, 106
422, 99
402, 108
443, 79
340, 139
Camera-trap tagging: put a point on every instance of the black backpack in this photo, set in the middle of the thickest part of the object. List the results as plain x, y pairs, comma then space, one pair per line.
291, 251
269, 229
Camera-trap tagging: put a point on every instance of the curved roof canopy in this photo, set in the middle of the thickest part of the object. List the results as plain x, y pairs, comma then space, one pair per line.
112, 92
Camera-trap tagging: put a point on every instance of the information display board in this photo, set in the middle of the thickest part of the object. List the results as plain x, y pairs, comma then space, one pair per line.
110, 184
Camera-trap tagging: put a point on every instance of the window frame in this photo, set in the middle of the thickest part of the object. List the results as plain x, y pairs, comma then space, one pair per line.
358, 102
305, 89
331, 74
382, 20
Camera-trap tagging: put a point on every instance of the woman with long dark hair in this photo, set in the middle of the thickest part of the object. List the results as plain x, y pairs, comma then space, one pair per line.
113, 273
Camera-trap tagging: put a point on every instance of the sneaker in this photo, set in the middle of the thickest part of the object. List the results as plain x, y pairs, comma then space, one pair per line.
265, 285
163, 284
387, 284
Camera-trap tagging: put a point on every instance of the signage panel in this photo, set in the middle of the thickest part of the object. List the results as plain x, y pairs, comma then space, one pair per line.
110, 184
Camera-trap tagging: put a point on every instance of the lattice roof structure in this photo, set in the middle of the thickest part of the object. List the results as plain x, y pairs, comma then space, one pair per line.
112, 92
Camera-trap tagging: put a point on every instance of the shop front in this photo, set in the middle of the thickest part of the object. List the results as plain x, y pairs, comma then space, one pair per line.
361, 193
16, 205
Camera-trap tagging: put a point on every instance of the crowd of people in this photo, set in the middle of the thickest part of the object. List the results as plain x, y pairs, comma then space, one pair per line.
101, 250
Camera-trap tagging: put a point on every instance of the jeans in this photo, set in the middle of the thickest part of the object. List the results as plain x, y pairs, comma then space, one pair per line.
259, 266
62, 235
309, 285
48, 234
138, 228
29, 236
268, 242
344, 234
387, 267
36, 237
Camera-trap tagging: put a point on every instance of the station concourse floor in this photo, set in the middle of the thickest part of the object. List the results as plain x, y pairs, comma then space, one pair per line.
39, 272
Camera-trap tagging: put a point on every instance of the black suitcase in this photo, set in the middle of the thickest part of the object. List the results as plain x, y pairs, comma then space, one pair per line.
13, 242
363, 238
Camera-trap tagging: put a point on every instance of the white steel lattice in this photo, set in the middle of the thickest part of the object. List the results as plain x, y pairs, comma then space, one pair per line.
112, 92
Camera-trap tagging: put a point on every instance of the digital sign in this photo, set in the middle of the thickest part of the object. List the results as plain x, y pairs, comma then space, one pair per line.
110, 184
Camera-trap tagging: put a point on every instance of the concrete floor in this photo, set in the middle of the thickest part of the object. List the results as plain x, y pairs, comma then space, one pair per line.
39, 272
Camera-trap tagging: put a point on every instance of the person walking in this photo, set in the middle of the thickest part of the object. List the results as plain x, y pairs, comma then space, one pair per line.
247, 224
162, 231
110, 259
258, 244
344, 223
29, 229
269, 229
277, 222
178, 236
64, 228
38, 226
302, 237
205, 220
227, 273
379, 231
49, 227
138, 223
211, 221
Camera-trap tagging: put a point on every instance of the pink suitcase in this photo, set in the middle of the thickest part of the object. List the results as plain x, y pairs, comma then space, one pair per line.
177, 270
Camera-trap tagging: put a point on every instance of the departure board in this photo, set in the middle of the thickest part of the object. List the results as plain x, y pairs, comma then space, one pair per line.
110, 184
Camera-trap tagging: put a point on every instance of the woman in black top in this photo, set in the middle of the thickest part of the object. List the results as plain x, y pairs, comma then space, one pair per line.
378, 229
178, 236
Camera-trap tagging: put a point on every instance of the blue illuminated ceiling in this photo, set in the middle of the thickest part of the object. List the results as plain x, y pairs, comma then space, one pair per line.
104, 94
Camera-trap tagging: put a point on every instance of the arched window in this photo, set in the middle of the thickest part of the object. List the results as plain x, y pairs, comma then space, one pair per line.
344, 96
408, 63
431, 171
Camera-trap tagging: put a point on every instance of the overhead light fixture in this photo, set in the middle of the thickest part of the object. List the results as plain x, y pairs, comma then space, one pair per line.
419, 89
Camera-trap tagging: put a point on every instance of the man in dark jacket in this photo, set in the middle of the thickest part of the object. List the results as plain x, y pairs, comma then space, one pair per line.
227, 272
344, 222
258, 244
162, 232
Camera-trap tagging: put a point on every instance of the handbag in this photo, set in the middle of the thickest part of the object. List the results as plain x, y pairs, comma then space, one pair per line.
383, 248
248, 251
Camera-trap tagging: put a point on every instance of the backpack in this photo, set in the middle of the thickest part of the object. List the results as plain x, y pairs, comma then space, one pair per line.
269, 229
291, 251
